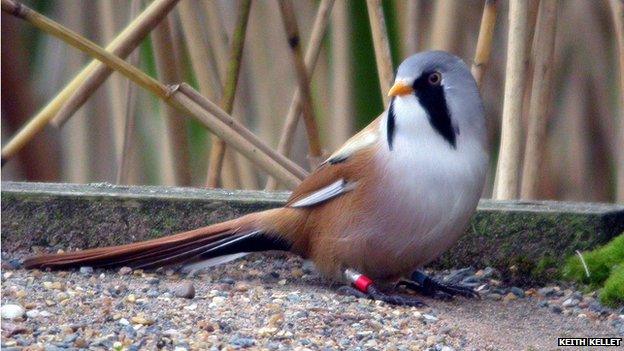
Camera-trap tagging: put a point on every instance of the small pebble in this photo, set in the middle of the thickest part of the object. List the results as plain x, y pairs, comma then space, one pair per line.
510, 297
517, 291
570, 302
125, 270
86, 271
242, 342
53, 285
429, 318
32, 313
294, 298
152, 293
153, 281
45, 314
11, 311
494, 296
10, 329
276, 320
548, 291
228, 281
218, 300
185, 290
241, 286
543, 304
141, 320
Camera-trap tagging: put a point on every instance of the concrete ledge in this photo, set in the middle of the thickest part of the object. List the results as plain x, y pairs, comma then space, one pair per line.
525, 240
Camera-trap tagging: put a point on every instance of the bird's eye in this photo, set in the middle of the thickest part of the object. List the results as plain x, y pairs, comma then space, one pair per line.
435, 78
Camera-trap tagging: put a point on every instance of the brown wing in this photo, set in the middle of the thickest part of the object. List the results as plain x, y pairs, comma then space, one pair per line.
349, 163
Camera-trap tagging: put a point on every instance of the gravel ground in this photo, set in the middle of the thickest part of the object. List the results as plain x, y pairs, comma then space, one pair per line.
278, 302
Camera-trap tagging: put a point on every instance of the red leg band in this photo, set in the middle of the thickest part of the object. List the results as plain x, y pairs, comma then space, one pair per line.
362, 283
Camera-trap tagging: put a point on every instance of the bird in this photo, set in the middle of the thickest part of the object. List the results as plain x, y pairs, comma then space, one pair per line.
393, 198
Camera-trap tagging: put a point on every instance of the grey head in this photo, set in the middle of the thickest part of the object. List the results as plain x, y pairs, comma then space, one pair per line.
446, 90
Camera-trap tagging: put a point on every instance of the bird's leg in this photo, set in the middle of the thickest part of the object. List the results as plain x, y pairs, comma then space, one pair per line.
362, 286
428, 286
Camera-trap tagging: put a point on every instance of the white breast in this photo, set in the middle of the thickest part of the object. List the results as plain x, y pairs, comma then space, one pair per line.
428, 189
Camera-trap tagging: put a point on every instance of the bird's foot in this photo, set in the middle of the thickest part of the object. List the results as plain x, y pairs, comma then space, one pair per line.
363, 287
428, 286
375, 294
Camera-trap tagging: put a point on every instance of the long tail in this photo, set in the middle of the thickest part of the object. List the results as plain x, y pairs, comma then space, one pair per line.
236, 236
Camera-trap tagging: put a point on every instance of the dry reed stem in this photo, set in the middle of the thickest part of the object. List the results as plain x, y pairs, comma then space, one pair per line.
412, 35
122, 46
443, 25
243, 131
531, 25
617, 9
217, 35
594, 42
576, 175
382, 48
217, 151
224, 131
38, 159
207, 60
292, 33
93, 75
319, 29
244, 134
341, 80
515, 74
77, 137
123, 175
541, 94
174, 154
115, 87
484, 43
212, 119
237, 172
127, 148
199, 52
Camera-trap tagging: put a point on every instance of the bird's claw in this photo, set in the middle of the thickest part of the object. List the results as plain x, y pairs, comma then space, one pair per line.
430, 287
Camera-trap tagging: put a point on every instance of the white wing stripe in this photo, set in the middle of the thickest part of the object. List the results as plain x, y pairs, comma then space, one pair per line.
332, 190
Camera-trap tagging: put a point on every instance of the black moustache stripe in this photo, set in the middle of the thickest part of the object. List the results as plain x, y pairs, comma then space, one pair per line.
390, 123
433, 100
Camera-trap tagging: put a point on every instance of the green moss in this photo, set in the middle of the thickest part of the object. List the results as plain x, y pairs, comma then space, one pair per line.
545, 269
613, 292
605, 266
599, 262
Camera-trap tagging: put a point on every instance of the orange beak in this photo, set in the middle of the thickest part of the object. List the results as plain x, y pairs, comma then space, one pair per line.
400, 88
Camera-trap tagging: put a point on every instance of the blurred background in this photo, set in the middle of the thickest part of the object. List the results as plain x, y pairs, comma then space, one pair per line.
582, 143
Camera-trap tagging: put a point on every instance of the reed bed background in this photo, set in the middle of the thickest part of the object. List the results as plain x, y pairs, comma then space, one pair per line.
297, 78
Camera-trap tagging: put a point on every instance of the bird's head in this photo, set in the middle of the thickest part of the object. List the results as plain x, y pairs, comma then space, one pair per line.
438, 88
